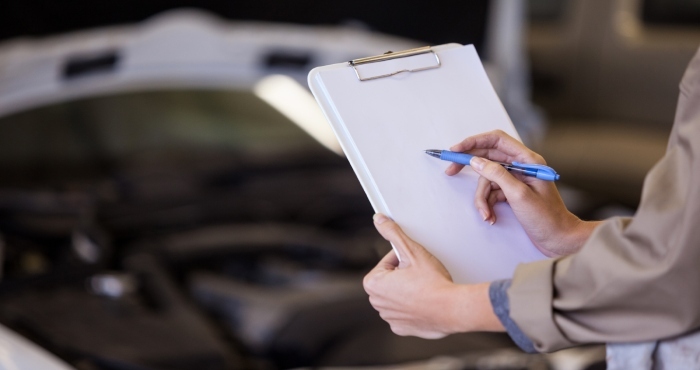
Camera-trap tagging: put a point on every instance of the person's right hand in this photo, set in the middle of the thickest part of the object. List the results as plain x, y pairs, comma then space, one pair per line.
536, 203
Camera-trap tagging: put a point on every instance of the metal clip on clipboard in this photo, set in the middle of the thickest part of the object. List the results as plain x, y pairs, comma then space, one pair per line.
394, 55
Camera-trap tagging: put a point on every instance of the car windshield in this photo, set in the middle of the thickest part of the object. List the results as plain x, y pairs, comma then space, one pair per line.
182, 126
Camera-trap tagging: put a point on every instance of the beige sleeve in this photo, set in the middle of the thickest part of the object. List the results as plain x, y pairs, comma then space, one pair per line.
635, 279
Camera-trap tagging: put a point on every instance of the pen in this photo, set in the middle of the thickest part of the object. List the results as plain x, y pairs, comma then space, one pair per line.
539, 171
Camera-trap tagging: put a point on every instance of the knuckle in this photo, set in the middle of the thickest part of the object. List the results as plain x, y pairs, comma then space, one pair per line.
530, 156
391, 230
480, 189
369, 283
538, 159
375, 304
518, 192
494, 171
433, 335
479, 200
398, 330
501, 136
492, 198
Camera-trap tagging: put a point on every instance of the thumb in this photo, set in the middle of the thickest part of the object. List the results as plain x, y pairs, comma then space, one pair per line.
494, 172
406, 248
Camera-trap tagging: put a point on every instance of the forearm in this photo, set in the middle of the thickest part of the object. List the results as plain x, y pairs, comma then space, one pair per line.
470, 307
485, 306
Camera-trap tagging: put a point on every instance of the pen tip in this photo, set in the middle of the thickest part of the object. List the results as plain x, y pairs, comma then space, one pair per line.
433, 152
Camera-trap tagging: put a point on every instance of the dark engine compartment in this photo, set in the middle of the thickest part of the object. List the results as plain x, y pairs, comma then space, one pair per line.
190, 230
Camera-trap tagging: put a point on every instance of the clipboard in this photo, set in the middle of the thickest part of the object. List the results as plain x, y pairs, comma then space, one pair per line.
386, 110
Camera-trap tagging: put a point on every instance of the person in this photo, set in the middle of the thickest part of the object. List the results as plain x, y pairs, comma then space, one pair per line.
623, 280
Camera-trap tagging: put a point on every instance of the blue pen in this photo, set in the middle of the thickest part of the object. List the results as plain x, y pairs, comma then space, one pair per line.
539, 171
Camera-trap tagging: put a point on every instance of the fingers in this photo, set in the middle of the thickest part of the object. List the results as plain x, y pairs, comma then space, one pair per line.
498, 146
486, 196
453, 169
512, 188
483, 189
496, 196
406, 248
404, 330
388, 263
496, 139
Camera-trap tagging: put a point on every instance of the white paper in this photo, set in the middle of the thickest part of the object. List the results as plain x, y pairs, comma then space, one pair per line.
385, 125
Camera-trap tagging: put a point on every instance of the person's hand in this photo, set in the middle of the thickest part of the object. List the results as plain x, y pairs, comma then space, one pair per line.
536, 203
417, 296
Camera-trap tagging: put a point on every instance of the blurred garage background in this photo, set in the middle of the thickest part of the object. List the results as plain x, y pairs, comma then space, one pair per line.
170, 197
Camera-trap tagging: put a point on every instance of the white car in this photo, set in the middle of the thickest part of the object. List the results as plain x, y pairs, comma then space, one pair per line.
188, 49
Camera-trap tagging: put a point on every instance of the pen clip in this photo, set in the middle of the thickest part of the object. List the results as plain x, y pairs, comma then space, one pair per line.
543, 172
539, 167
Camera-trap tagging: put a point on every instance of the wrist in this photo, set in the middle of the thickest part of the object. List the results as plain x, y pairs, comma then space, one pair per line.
470, 310
578, 233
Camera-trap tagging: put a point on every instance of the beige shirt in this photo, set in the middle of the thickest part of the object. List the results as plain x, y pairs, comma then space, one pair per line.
635, 279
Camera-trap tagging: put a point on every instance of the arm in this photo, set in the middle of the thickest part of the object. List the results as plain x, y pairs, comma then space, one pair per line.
632, 281
635, 279
419, 298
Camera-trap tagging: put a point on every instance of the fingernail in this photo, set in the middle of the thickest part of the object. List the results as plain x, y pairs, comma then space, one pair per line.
483, 214
379, 218
478, 163
492, 222
453, 148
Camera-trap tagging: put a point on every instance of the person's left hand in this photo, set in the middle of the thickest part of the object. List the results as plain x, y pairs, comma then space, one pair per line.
417, 296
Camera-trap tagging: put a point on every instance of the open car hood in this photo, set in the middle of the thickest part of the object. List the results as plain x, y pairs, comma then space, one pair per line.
177, 49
